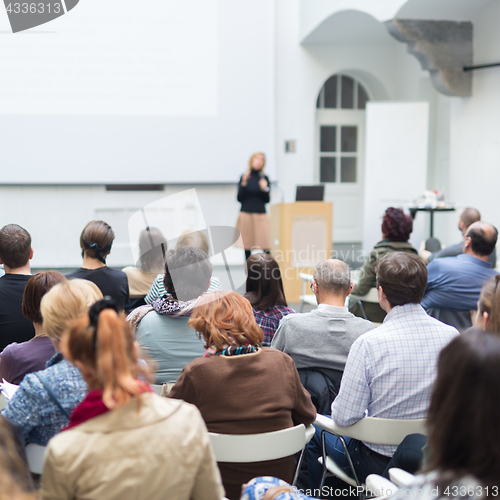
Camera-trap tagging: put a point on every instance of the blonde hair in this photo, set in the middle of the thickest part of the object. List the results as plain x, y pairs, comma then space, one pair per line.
66, 301
251, 159
151, 253
193, 239
110, 352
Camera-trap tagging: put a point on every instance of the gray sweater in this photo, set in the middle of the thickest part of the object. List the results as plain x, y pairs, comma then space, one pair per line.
321, 338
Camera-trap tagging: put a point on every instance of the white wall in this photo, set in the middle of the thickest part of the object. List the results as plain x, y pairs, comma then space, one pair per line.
396, 163
475, 133
56, 215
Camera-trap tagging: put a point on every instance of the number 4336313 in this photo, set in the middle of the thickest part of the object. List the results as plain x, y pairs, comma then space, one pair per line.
34, 8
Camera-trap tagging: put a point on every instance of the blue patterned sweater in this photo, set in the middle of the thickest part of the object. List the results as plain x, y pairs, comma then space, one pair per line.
32, 408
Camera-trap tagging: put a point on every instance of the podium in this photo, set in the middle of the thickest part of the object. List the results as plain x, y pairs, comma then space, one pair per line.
301, 237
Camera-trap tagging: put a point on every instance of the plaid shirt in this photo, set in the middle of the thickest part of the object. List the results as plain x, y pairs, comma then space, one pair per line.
390, 370
269, 321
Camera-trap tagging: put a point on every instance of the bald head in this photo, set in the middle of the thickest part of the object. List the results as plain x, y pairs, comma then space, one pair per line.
333, 276
468, 216
480, 239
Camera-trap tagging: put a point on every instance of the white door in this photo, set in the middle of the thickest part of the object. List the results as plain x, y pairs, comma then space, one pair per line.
340, 139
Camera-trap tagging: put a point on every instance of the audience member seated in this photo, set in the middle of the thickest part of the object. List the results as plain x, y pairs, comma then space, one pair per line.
193, 239
454, 283
123, 441
462, 455
15, 478
396, 230
389, 371
44, 401
240, 387
264, 290
16, 360
151, 262
467, 217
320, 340
15, 255
162, 328
488, 307
96, 241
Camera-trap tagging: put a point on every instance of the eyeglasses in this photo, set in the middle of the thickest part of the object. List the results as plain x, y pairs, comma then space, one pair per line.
312, 287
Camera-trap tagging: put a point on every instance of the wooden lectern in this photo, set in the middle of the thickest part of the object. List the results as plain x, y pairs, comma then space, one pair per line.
301, 236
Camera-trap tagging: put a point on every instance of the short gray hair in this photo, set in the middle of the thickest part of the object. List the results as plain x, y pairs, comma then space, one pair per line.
333, 275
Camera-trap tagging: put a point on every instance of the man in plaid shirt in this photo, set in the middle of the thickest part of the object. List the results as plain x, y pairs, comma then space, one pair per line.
389, 371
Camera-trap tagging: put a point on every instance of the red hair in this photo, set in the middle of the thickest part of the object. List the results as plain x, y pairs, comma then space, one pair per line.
396, 225
226, 319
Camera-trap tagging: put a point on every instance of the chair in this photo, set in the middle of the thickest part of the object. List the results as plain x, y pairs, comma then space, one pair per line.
374, 430
371, 297
306, 298
36, 458
244, 448
3, 401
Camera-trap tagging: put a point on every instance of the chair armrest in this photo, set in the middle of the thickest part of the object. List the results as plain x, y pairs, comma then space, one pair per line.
327, 424
400, 477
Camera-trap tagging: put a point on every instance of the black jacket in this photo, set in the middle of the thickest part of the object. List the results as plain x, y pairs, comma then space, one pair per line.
251, 197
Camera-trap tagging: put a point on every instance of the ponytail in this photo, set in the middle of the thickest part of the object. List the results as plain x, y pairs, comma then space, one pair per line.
116, 361
110, 352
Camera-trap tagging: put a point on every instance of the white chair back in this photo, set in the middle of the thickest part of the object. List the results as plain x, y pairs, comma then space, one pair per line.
387, 431
371, 296
36, 457
259, 447
375, 430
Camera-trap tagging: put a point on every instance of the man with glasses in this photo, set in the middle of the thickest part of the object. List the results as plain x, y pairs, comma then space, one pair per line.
321, 339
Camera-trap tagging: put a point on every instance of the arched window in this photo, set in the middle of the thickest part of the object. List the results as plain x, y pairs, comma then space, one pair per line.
341, 91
